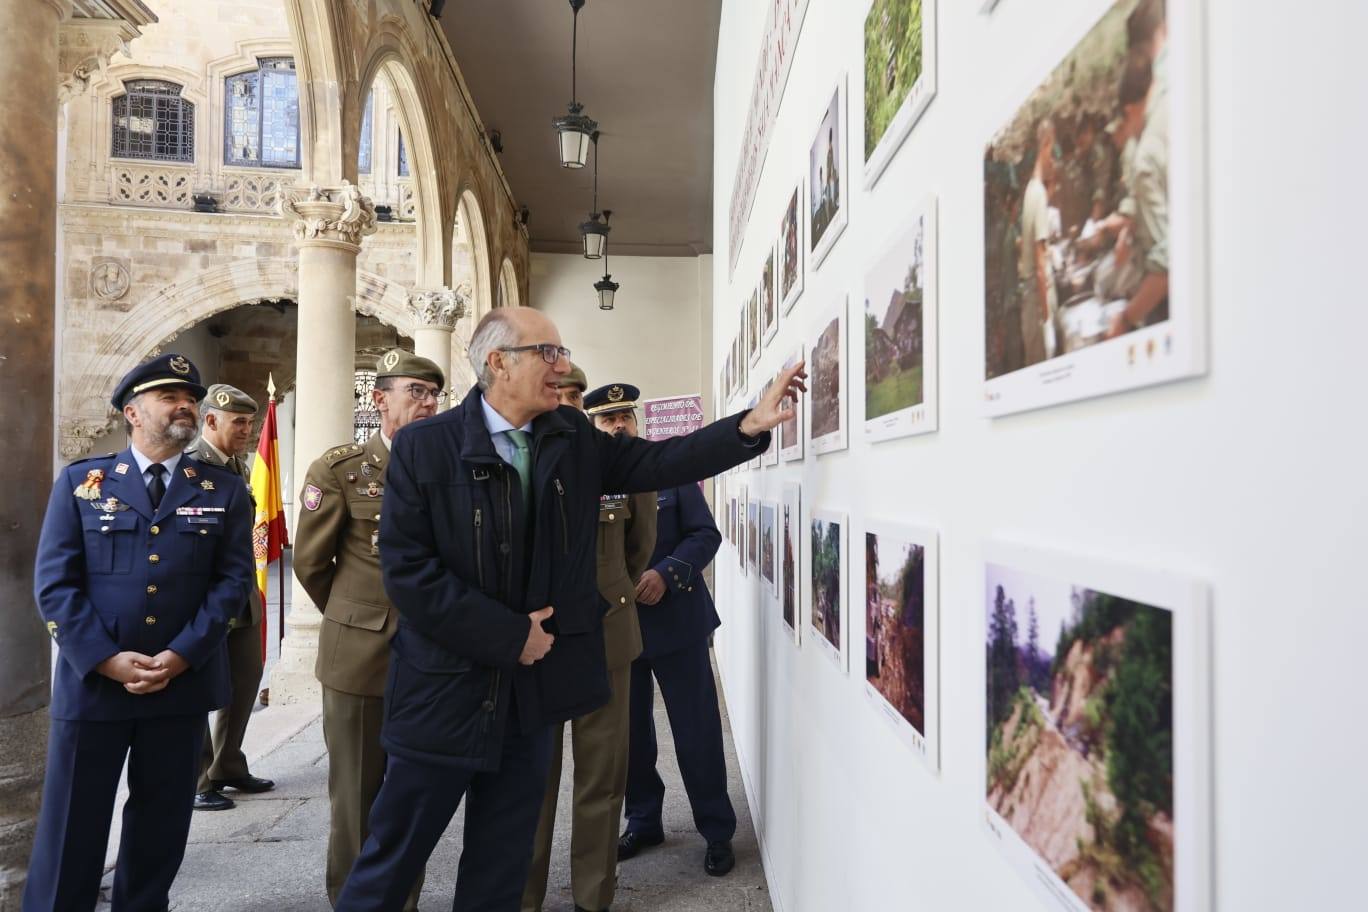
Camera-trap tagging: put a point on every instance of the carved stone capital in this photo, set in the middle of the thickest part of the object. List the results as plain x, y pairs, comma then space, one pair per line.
77, 434
329, 215
439, 308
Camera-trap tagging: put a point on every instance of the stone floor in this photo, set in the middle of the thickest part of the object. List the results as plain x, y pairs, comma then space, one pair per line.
267, 853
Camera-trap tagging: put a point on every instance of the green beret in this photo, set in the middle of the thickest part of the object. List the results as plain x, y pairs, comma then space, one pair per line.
575, 378
399, 363
227, 398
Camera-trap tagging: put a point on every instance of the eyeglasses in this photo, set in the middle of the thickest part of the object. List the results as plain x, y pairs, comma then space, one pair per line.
421, 393
550, 353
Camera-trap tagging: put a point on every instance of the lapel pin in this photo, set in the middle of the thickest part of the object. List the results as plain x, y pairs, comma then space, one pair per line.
190, 473
121, 469
207, 485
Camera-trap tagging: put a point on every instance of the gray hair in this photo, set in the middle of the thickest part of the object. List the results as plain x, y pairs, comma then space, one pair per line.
495, 331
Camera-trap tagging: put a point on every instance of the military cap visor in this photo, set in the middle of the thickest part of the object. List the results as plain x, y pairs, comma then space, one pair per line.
168, 370
399, 363
615, 397
227, 398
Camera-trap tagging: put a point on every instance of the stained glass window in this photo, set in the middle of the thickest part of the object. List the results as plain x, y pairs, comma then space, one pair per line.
151, 120
261, 116
403, 156
363, 152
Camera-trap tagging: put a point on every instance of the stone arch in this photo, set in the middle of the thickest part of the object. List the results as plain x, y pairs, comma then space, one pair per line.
390, 53
509, 295
472, 216
85, 412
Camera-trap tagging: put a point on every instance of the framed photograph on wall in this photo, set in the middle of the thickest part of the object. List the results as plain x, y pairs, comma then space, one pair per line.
790, 430
753, 327
829, 563
828, 196
770, 457
753, 535
741, 503
769, 306
769, 547
790, 560
900, 332
742, 356
1094, 222
902, 651
899, 76
828, 419
790, 252
1097, 770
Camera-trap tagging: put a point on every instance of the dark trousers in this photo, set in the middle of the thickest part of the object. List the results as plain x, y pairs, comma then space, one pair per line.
83, 764
222, 757
690, 695
418, 800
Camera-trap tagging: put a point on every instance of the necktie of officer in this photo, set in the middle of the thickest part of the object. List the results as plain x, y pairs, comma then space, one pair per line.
522, 461
157, 488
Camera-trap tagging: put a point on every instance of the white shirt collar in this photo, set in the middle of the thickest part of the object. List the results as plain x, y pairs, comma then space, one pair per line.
144, 461
217, 452
385, 440
497, 423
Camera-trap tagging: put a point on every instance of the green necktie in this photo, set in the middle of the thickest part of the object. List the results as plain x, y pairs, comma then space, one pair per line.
522, 461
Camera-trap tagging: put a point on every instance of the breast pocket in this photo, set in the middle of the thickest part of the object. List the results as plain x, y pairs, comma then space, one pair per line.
199, 537
110, 542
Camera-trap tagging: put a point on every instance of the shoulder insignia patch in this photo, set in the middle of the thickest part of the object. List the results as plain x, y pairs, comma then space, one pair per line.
313, 497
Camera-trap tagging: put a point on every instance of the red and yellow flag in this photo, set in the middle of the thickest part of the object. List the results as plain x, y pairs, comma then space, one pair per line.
269, 537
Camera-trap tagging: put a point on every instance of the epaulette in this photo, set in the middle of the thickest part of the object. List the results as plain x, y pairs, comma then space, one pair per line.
76, 462
338, 454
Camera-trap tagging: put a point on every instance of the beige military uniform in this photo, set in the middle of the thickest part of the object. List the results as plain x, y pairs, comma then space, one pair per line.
626, 538
337, 561
222, 757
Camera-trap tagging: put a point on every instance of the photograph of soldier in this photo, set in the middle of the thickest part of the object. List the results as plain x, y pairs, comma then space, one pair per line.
788, 565
1076, 210
144, 558
828, 413
337, 561
599, 740
894, 325
769, 313
790, 254
828, 583
227, 415
898, 51
826, 165
895, 610
767, 542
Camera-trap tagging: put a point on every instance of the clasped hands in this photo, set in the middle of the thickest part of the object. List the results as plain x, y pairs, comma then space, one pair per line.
141, 674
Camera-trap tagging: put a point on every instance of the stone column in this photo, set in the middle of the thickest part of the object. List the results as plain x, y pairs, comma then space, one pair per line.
435, 315
28, 256
329, 224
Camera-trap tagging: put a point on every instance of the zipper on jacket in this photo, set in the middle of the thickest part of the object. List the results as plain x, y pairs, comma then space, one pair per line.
491, 702
565, 526
508, 557
479, 551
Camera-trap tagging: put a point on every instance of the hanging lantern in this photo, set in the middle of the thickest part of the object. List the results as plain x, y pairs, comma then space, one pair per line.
574, 129
606, 289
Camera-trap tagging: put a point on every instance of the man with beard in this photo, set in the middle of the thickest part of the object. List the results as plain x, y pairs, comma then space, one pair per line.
337, 561
226, 419
143, 561
626, 534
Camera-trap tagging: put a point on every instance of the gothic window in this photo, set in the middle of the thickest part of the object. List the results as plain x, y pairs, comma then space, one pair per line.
403, 156
365, 419
261, 116
363, 152
151, 120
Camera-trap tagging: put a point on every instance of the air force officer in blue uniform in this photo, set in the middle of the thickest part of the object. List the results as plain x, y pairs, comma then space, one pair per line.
677, 615
144, 558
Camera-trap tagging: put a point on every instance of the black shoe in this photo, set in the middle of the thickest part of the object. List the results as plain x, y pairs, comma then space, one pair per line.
633, 841
212, 801
719, 859
245, 784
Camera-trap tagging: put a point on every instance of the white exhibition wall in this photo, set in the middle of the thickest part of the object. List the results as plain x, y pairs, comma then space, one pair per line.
1248, 478
654, 336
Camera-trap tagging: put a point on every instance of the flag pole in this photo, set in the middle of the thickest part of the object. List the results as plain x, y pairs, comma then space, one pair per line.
280, 596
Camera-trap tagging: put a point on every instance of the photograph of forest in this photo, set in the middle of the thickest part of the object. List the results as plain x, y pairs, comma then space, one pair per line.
1080, 735
893, 63
827, 584
895, 615
767, 511
789, 543
826, 393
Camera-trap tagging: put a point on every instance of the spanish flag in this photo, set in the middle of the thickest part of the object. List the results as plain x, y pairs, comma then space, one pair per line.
269, 537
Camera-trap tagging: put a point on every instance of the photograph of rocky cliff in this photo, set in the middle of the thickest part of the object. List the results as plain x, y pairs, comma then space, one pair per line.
895, 611
1080, 735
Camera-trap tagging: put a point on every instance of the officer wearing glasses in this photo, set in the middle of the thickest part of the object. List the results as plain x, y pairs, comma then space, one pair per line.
337, 560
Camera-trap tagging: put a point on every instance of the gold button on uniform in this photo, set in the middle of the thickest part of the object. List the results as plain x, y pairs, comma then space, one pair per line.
154, 530
153, 558
151, 590
204, 531
610, 517
104, 528
622, 599
149, 620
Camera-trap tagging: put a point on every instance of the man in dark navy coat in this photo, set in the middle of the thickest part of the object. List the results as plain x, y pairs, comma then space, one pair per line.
487, 547
677, 615
144, 559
